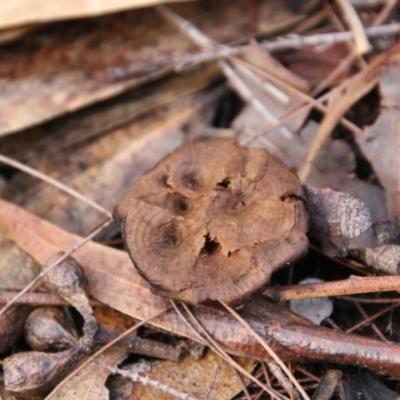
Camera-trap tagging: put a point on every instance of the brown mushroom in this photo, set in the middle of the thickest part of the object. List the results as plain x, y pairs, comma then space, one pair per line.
213, 220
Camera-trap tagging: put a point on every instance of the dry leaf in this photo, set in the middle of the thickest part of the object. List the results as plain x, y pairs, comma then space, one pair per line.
381, 141
92, 60
19, 12
193, 377
89, 383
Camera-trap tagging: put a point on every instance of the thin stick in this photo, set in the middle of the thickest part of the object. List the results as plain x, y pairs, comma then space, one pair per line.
219, 350
212, 383
294, 41
373, 326
372, 318
146, 381
53, 182
50, 267
360, 38
353, 285
268, 349
237, 83
107, 346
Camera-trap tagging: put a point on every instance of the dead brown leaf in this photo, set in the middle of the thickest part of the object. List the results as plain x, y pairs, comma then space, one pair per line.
381, 141
89, 383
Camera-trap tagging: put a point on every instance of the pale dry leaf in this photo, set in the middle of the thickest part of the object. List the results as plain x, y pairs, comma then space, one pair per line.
194, 378
89, 383
381, 141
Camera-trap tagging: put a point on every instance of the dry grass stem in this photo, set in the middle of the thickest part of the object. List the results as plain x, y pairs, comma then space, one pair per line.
268, 349
372, 318
372, 324
53, 182
224, 355
360, 38
234, 79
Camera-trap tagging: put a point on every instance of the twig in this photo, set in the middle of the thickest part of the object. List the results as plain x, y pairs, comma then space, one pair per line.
146, 381
360, 38
292, 41
53, 182
373, 326
353, 285
372, 318
237, 83
50, 267
268, 349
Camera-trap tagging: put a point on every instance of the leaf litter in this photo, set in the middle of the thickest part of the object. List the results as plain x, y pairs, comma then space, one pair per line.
353, 212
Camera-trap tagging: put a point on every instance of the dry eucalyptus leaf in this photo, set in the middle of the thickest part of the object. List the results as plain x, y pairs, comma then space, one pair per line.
336, 218
193, 377
315, 309
381, 143
90, 382
20, 12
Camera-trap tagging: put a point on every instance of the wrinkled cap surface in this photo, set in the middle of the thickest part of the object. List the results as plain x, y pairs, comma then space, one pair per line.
212, 220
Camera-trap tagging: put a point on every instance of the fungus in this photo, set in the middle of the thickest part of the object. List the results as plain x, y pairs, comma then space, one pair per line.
212, 221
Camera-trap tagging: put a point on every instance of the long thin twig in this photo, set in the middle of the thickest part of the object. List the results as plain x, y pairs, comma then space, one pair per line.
292, 41
54, 182
268, 349
54, 264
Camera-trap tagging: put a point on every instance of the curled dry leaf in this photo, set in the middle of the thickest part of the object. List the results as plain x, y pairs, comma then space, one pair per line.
336, 218
213, 220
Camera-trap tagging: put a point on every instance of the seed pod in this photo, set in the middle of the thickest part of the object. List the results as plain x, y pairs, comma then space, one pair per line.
213, 220
35, 373
47, 329
11, 325
68, 280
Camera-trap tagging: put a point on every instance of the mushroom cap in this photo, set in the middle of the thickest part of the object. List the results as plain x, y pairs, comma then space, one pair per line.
212, 220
